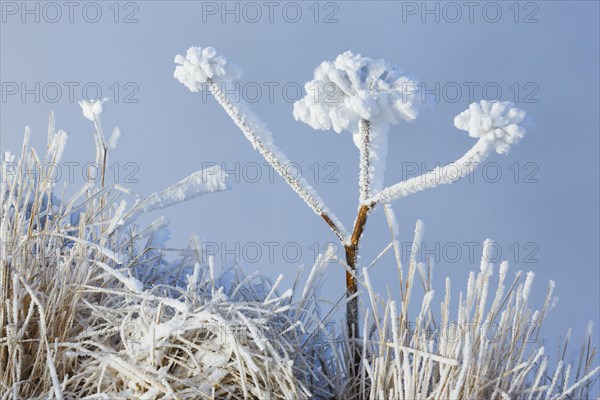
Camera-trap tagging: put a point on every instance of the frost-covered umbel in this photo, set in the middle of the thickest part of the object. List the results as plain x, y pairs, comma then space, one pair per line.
355, 93
497, 122
201, 64
354, 87
497, 125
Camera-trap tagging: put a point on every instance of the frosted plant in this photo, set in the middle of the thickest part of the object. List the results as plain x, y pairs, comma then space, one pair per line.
496, 123
91, 307
92, 108
365, 97
197, 73
203, 64
488, 350
497, 126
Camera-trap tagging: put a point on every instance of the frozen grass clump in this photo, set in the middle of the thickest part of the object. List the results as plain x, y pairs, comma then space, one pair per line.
489, 349
91, 307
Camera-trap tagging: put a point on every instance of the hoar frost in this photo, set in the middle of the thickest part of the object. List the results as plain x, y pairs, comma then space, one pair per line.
354, 87
498, 125
92, 108
351, 90
203, 64
496, 122
205, 68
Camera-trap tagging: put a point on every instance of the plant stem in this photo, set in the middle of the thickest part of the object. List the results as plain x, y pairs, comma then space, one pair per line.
249, 124
364, 178
352, 287
364, 183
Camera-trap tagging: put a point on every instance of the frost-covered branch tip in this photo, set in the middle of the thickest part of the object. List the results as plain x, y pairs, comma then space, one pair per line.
203, 64
352, 90
206, 181
92, 108
498, 125
205, 68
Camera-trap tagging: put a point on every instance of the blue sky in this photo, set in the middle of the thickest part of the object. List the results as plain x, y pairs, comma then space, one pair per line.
540, 203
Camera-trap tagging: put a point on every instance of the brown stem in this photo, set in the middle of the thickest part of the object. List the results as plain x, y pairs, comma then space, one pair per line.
352, 288
334, 227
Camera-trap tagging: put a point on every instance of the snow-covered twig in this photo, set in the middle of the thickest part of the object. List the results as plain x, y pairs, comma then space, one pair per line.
438, 176
208, 180
261, 139
205, 68
497, 125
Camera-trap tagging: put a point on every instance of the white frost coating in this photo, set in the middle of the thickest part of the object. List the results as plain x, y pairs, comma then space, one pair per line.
464, 368
590, 328
114, 139
438, 176
485, 255
417, 241
377, 157
497, 127
351, 90
527, 285
496, 122
56, 147
261, 139
131, 283
201, 64
208, 180
92, 109
205, 67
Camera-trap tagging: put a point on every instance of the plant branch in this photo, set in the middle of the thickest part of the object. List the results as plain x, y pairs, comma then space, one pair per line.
250, 125
449, 173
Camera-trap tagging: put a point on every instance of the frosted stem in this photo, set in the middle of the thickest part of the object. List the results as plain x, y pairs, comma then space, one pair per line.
365, 164
440, 175
253, 128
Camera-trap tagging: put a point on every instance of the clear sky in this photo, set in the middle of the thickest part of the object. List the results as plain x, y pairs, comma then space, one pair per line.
540, 203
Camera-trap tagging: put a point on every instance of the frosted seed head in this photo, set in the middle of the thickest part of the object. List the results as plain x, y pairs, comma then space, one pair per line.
499, 123
201, 64
354, 87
